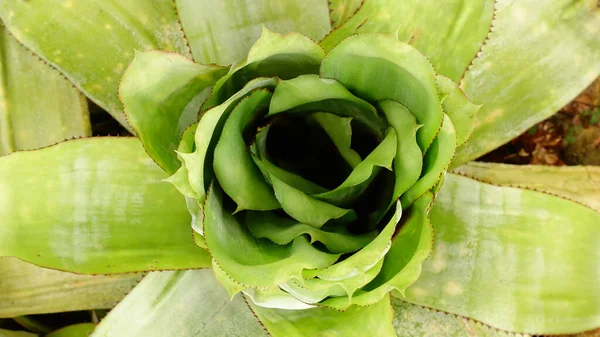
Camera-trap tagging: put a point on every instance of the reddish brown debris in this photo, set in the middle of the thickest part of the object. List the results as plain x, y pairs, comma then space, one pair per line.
570, 137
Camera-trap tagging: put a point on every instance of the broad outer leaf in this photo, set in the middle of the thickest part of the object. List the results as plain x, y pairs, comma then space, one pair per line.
91, 42
371, 321
99, 206
222, 31
448, 32
57, 112
515, 259
416, 321
76, 330
577, 183
161, 94
557, 46
26, 289
180, 304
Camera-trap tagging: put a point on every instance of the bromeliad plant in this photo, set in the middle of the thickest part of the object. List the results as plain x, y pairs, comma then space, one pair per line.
313, 174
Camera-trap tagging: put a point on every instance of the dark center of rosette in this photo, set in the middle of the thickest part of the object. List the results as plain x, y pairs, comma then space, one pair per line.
327, 160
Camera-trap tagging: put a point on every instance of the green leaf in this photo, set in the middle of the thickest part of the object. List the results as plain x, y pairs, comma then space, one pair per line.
310, 93
273, 55
342, 10
58, 111
379, 67
363, 174
515, 259
305, 208
458, 107
91, 42
283, 231
352, 272
159, 92
10, 333
340, 131
222, 31
416, 321
26, 289
33, 324
316, 290
274, 297
271, 44
577, 183
408, 161
518, 92
99, 207
255, 262
76, 330
234, 168
402, 262
449, 33
435, 163
180, 303
208, 132
374, 320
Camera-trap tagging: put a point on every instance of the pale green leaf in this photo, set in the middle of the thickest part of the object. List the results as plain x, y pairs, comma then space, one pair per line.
99, 206
577, 183
515, 259
222, 31
159, 91
180, 304
91, 42
26, 289
58, 112
371, 321
416, 321
557, 45
458, 107
449, 33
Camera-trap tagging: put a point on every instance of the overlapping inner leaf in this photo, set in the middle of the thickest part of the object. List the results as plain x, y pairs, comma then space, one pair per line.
297, 183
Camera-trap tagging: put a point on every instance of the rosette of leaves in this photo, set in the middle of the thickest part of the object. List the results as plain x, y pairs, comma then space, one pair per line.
311, 166
302, 163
